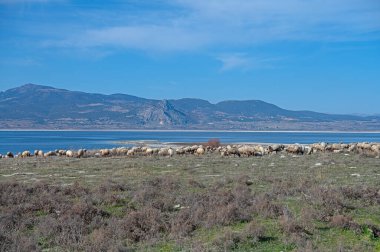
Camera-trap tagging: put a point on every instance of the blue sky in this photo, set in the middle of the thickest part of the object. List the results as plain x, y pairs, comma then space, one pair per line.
317, 55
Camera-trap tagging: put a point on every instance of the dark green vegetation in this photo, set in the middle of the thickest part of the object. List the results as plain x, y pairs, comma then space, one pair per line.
33, 106
321, 202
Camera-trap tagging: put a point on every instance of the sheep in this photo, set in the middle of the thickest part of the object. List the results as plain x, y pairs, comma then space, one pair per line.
144, 148
149, 151
187, 149
308, 150
40, 153
259, 150
352, 147
80, 153
61, 153
200, 151
166, 152
113, 152
246, 150
275, 148
170, 152
344, 146
130, 152
180, 151
25, 154
136, 150
232, 151
9, 155
105, 152
50, 154
121, 151
336, 147
295, 149
376, 149
69, 153
193, 149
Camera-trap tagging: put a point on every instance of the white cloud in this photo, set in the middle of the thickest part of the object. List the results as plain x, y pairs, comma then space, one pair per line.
234, 61
199, 24
146, 37
245, 62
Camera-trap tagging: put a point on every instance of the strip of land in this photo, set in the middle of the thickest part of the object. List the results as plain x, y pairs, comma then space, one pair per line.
279, 202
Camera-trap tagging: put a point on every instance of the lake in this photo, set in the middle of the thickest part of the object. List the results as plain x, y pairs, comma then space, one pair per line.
17, 141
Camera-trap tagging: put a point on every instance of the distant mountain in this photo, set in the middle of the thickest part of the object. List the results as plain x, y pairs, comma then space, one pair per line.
35, 106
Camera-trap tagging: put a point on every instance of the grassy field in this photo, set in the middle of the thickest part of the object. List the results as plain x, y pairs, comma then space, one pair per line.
321, 202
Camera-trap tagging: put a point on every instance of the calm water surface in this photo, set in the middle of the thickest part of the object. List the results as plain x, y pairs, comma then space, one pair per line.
17, 141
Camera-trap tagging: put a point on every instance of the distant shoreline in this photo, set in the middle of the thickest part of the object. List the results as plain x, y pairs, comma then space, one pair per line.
227, 131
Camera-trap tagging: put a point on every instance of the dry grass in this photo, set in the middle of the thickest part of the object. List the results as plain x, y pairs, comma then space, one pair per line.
206, 203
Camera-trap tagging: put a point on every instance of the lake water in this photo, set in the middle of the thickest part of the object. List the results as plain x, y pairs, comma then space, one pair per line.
17, 141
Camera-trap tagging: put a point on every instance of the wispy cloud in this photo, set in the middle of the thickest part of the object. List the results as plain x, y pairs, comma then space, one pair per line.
145, 37
182, 25
245, 62
234, 61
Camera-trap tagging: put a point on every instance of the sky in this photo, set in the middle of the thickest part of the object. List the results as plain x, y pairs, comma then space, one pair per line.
318, 55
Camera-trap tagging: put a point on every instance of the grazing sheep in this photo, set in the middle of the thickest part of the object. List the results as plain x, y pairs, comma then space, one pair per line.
136, 150
336, 147
50, 154
193, 149
149, 151
376, 149
25, 154
121, 151
180, 151
259, 150
232, 151
80, 153
295, 149
61, 153
144, 148
275, 148
344, 146
166, 152
308, 150
352, 147
163, 152
246, 151
130, 152
40, 153
170, 152
105, 152
69, 153
187, 149
200, 151
10, 155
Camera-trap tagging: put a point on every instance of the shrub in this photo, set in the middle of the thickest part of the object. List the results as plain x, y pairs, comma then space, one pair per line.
213, 143
345, 222
228, 240
145, 224
255, 232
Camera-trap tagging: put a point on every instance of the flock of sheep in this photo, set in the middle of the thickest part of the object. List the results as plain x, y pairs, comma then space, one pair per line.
246, 150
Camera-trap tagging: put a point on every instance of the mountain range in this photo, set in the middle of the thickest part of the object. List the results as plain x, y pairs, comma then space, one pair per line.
42, 107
